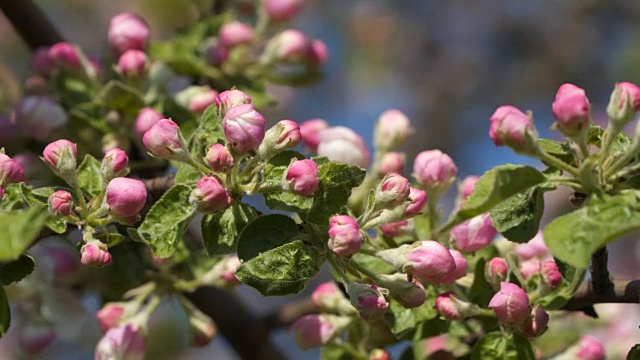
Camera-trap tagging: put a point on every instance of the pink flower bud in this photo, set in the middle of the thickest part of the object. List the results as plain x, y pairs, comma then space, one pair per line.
550, 273
127, 31
529, 268
66, 56
462, 266
447, 306
133, 64
202, 100
630, 94
312, 331
410, 294
571, 110
111, 314
219, 158
61, 203
114, 162
147, 117
495, 271
590, 348
536, 324
39, 116
244, 127
368, 300
392, 130
395, 229
10, 170
95, 254
434, 170
392, 162
230, 98
379, 354
285, 134
201, 328
317, 52
534, 248
290, 45
418, 200
430, 261
60, 155
126, 197
35, 337
310, 133
511, 127
511, 304
235, 33
41, 63
474, 234
302, 177
392, 191
344, 145
466, 186
217, 55
209, 195
229, 265
282, 10
122, 342
345, 238
164, 140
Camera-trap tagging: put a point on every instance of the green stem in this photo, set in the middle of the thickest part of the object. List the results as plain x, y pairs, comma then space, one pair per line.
203, 169
339, 269
84, 210
567, 181
389, 242
621, 162
432, 217
486, 313
370, 274
557, 163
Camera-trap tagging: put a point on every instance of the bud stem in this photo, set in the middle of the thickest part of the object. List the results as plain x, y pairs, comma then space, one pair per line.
624, 160
557, 163
362, 269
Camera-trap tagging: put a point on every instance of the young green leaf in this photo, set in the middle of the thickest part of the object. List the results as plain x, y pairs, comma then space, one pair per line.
89, 176
518, 217
19, 229
499, 346
221, 231
265, 233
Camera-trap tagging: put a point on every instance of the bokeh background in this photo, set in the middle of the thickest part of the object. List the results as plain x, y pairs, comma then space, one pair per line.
446, 64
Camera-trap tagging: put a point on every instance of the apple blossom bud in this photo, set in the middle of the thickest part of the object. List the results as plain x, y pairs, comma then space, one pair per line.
392, 130
343, 145
534, 248
282, 10
368, 300
201, 101
418, 200
396, 228
235, 33
391, 162
230, 98
244, 127
379, 354
550, 273
447, 306
474, 234
164, 140
123, 342
495, 271
465, 189
312, 331
61, 203
126, 197
317, 52
511, 304
345, 238
228, 266
209, 195
127, 31
328, 298
283, 135
290, 45
201, 329
114, 163
66, 56
536, 324
60, 155
623, 105
147, 117
461, 268
511, 127
219, 158
301, 177
112, 314
10, 170
216, 54
35, 337
39, 116
572, 111
529, 268
95, 254
590, 348
310, 133
434, 170
392, 191
41, 63
428, 260
410, 294
133, 64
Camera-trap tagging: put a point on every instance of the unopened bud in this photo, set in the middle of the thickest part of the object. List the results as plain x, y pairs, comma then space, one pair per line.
328, 298
495, 271
66, 56
219, 158
244, 127
392, 191
125, 197
127, 31
312, 331
147, 117
590, 348
418, 199
461, 268
428, 260
201, 101
474, 234
513, 128
623, 105
301, 177
122, 342
392, 130
216, 54
466, 187
448, 306
536, 324
344, 145
392, 162
550, 273
10, 170
133, 64
511, 304
409, 294
283, 135
113, 313
368, 300
396, 228
345, 238
223, 273
164, 140
235, 33
60, 155
201, 329
35, 337
572, 111
210, 196
61, 203
310, 133
95, 254
435, 171
282, 10
41, 63
230, 98
114, 163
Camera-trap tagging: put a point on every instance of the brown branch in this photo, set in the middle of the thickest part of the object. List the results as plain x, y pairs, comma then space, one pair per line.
158, 185
622, 291
600, 278
30, 22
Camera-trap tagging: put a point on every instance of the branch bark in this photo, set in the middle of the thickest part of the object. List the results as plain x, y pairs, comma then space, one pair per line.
600, 277
30, 22
622, 291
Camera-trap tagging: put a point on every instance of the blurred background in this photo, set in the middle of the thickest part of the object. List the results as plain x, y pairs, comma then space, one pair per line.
446, 64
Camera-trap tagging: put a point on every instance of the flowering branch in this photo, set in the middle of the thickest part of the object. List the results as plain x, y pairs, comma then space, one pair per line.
622, 291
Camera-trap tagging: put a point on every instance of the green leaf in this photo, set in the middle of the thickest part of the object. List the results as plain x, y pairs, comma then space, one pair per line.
496, 186
498, 346
5, 313
19, 229
209, 132
14, 271
619, 144
285, 201
574, 237
336, 181
334, 352
221, 230
89, 176
186, 174
558, 150
481, 291
40, 198
118, 95
634, 353
166, 221
281, 271
571, 280
518, 217
12, 199
265, 233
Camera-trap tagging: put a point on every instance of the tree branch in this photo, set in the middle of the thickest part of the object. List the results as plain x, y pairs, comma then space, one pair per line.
600, 278
31, 23
622, 291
